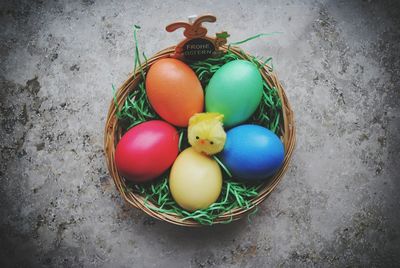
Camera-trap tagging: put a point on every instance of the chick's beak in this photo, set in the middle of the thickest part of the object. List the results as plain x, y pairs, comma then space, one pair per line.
202, 142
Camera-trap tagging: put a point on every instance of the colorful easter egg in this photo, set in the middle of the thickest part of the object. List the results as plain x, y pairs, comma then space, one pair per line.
252, 152
195, 180
235, 91
174, 91
146, 151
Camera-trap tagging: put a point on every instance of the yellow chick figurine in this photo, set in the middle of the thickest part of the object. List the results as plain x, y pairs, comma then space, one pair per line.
206, 134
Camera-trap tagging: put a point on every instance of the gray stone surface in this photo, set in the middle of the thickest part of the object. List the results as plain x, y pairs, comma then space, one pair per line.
338, 205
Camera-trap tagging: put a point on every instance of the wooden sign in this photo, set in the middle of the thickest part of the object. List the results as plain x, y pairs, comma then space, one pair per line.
197, 46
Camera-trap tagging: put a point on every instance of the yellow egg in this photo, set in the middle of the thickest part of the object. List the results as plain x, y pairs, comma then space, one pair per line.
195, 180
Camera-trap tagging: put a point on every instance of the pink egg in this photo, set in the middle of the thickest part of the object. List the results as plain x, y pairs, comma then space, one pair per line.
146, 151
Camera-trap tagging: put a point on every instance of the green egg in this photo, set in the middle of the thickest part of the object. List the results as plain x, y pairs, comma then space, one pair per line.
235, 91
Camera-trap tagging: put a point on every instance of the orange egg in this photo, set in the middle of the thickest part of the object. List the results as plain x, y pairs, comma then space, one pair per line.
174, 91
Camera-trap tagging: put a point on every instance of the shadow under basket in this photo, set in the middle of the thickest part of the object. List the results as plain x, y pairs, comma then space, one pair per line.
113, 134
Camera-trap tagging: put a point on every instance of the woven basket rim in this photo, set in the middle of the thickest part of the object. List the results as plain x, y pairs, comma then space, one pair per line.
112, 134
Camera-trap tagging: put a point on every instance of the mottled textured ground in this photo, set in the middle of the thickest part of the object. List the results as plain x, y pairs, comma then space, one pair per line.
338, 205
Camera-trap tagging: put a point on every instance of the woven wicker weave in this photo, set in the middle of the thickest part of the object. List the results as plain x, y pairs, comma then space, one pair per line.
113, 134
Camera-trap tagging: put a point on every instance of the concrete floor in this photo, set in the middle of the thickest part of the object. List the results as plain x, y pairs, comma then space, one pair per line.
338, 205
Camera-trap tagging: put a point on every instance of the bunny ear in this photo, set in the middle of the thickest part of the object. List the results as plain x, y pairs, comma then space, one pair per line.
173, 26
206, 18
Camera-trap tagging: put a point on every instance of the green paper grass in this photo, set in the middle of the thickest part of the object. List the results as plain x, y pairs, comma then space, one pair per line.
235, 194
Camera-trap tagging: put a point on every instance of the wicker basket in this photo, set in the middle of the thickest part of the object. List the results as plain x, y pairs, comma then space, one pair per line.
113, 134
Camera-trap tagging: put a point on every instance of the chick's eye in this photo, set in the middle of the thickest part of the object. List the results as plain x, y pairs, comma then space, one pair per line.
197, 137
211, 142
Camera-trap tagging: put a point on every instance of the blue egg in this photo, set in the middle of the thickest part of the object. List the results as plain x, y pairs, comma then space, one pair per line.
252, 152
